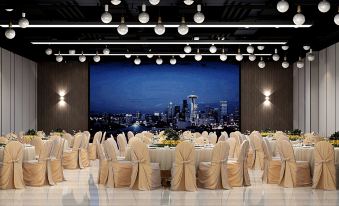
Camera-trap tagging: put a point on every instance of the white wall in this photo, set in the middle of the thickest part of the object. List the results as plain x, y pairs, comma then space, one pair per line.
18, 93
316, 93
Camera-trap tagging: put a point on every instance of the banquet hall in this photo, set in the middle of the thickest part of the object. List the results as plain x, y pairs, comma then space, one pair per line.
168, 102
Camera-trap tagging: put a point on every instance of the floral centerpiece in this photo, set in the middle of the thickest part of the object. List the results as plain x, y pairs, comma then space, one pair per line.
334, 139
266, 132
58, 131
30, 134
294, 135
169, 137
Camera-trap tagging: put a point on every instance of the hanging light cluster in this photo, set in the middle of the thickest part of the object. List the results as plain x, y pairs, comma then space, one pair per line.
23, 23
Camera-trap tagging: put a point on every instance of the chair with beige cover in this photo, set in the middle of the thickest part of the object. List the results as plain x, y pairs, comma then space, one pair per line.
54, 137
238, 142
92, 148
56, 160
212, 138
38, 144
256, 142
71, 158
130, 135
115, 145
293, 173
232, 144
222, 138
103, 164
183, 169
3, 140
200, 140
281, 136
145, 175
272, 165
83, 154
11, 174
69, 138
119, 172
122, 143
324, 176
134, 139
237, 169
38, 172
213, 175
103, 138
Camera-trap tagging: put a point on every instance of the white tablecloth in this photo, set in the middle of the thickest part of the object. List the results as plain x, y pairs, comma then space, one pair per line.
166, 156
29, 153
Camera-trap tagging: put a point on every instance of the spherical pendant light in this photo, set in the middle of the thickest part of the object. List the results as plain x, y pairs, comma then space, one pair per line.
150, 55
250, 49
198, 56
106, 17
183, 28
300, 63
182, 56
284, 47
310, 56
128, 55
239, 56
154, 2
187, 49
143, 16
306, 47
159, 61
261, 63
116, 2
213, 49
59, 58
275, 56
173, 61
260, 47
283, 6
324, 6
223, 56
137, 61
82, 57
23, 22
122, 28
106, 51
96, 58
299, 18
49, 51
10, 33
285, 63
336, 18
199, 17
188, 2
159, 29
252, 57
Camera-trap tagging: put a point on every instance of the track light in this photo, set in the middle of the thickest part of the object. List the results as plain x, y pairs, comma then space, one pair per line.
122, 28
106, 17
159, 29
23, 22
183, 28
299, 18
116, 2
285, 47
188, 2
199, 17
260, 47
143, 16
154, 2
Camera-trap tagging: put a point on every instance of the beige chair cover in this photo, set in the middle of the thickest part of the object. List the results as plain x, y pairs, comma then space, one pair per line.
225, 134
237, 170
69, 138
292, 173
205, 134
83, 155
11, 175
183, 170
281, 136
196, 135
71, 159
54, 137
200, 140
39, 145
213, 175
119, 172
324, 176
103, 138
256, 142
133, 140
103, 164
212, 138
238, 142
3, 140
122, 143
39, 173
272, 166
92, 148
130, 135
56, 161
222, 138
232, 144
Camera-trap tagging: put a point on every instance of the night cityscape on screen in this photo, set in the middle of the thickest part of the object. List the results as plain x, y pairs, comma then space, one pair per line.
190, 96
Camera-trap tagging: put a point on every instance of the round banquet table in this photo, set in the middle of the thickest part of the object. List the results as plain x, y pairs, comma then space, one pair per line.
29, 153
166, 156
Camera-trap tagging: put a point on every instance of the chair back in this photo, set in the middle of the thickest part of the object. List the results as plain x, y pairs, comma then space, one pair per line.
268, 147
212, 138
130, 135
85, 141
288, 163
54, 137
47, 150
69, 138
232, 144
122, 143
77, 142
110, 150
222, 138
38, 144
103, 138
242, 160
97, 137
219, 166
101, 152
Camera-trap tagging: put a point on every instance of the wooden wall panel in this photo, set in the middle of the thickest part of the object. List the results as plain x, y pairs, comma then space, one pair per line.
295, 96
307, 71
18, 94
330, 95
301, 97
54, 78
322, 92
315, 93
255, 82
6, 92
337, 87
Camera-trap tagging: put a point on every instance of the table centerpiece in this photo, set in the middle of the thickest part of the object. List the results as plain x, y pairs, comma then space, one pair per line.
334, 139
168, 137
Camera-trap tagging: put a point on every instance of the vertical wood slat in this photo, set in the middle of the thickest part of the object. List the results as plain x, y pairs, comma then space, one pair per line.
330, 90
322, 93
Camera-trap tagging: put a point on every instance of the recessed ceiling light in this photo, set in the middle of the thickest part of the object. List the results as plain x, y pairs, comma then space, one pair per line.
9, 10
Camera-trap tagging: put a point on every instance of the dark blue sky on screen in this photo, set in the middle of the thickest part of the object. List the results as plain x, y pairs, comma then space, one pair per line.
124, 87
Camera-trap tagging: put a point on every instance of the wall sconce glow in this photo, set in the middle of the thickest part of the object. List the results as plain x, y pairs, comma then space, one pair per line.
267, 101
62, 101
267, 98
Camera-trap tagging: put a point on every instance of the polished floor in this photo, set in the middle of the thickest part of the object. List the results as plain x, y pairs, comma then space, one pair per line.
81, 189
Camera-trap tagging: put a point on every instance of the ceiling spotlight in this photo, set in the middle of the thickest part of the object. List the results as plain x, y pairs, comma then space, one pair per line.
239, 56
82, 57
252, 57
106, 51
276, 56
260, 47
183, 28
310, 56
306, 47
128, 55
223, 56
106, 17
182, 55
261, 63
48, 51
187, 49
154, 2
285, 63
23, 22
299, 18
137, 61
10, 33
143, 16
188, 2
250, 49
96, 58
283, 6
116, 2
173, 61
199, 17
9, 10
284, 47
300, 63
336, 18
324, 6
159, 61
59, 58
213, 49
198, 56
159, 29
122, 28
150, 55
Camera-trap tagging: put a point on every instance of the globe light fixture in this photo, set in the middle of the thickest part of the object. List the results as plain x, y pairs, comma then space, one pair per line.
261, 63
82, 57
182, 56
10, 33
252, 57
283, 6
336, 18
143, 16
116, 2
187, 49
188, 2
250, 49
173, 61
154, 2
198, 56
285, 47
137, 61
276, 56
150, 55
310, 56
128, 55
299, 18
239, 56
300, 63
213, 49
199, 17
324, 6
285, 63
106, 51
106, 17
183, 28
223, 56
159, 61
306, 47
260, 47
23, 22
48, 51
59, 58
122, 28
159, 29
96, 58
